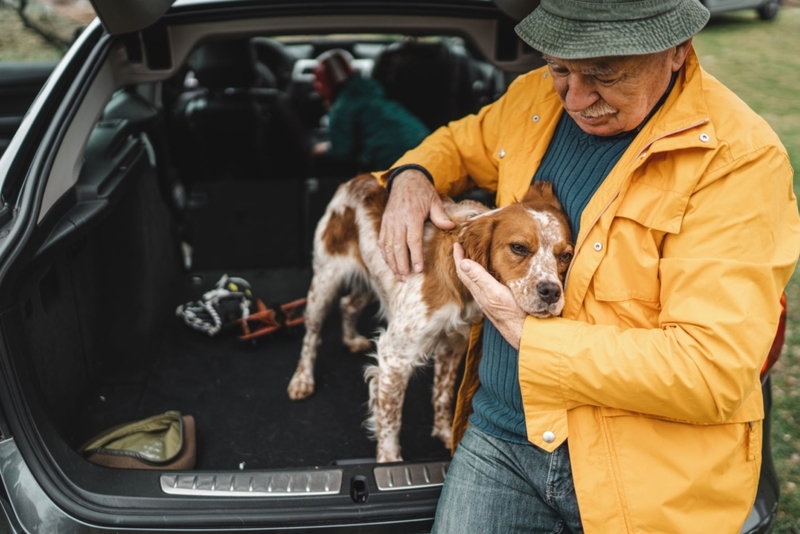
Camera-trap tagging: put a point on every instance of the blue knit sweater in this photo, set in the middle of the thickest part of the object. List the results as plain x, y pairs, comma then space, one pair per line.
576, 163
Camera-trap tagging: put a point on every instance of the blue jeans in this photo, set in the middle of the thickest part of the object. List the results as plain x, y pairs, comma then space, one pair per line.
496, 486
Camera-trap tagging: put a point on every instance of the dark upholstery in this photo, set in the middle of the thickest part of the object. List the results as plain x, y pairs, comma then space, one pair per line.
228, 129
431, 79
273, 63
223, 64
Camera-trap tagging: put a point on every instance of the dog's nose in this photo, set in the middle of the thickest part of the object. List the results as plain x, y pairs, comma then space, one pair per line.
548, 291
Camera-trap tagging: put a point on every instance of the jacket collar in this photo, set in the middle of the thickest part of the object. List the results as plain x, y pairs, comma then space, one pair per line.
682, 112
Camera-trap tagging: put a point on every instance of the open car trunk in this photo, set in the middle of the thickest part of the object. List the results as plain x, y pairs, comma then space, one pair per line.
97, 343
106, 347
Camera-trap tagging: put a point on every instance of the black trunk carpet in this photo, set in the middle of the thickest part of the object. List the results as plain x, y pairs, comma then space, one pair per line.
236, 391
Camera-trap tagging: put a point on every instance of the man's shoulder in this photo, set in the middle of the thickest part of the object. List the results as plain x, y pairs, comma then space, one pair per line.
531, 87
733, 119
537, 78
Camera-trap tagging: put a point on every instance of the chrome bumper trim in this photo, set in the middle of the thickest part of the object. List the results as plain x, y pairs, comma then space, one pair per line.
261, 484
404, 477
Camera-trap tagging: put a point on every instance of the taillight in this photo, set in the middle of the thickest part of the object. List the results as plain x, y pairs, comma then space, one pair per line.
777, 345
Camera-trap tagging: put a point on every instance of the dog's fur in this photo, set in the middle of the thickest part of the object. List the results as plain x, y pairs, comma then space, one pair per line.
526, 246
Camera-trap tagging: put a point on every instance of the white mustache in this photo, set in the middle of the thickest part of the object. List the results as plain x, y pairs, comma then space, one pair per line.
598, 109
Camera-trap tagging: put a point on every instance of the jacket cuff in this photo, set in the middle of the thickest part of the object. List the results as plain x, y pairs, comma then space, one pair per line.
540, 381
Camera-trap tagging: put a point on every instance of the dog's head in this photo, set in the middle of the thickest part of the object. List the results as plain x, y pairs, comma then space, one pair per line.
527, 246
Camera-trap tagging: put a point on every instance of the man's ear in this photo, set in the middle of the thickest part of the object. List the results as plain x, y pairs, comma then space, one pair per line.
476, 238
542, 192
679, 55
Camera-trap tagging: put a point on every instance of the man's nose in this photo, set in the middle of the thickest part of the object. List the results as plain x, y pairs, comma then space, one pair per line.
580, 93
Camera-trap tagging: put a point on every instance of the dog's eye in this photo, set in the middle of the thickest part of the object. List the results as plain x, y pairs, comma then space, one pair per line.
566, 257
516, 248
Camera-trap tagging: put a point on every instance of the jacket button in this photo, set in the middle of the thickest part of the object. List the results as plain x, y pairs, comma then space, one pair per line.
536, 118
549, 437
502, 152
598, 246
704, 138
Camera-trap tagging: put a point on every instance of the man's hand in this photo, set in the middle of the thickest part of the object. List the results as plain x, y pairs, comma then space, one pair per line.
412, 201
495, 300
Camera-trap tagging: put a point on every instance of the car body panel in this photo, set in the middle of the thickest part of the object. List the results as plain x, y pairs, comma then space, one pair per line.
767, 9
33, 508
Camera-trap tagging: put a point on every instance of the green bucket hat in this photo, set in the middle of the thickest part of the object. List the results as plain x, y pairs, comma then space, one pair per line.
583, 29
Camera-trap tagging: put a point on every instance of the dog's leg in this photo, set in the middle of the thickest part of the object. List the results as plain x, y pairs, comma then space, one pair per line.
390, 390
397, 356
321, 294
352, 305
448, 354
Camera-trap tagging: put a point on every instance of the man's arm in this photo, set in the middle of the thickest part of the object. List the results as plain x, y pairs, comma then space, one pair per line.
456, 157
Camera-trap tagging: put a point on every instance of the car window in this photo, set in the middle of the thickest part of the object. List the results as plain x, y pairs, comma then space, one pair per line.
34, 35
40, 30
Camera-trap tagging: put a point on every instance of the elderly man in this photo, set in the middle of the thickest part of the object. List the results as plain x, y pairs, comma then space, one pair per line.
638, 410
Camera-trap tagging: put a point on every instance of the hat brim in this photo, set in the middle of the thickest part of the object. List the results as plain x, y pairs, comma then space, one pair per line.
578, 39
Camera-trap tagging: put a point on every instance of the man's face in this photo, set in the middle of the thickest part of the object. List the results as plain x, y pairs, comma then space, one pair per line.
611, 95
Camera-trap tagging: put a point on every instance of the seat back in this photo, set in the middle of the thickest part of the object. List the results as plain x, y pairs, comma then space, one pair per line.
431, 79
273, 63
234, 130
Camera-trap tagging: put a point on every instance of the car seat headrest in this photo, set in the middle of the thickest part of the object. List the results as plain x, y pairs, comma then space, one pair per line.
274, 59
223, 64
402, 65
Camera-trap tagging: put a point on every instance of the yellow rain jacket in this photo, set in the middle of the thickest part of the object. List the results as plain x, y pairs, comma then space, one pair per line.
672, 301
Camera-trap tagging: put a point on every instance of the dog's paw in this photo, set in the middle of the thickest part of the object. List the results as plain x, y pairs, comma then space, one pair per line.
388, 455
300, 387
358, 344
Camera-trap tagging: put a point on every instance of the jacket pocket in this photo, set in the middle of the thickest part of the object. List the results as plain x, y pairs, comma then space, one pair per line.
630, 269
661, 466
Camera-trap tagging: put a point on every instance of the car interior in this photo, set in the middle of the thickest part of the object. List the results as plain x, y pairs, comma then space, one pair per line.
191, 171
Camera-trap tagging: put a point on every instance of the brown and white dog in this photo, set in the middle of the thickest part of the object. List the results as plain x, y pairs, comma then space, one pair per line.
526, 246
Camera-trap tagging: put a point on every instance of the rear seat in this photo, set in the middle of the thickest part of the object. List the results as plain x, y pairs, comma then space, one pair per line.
228, 129
243, 156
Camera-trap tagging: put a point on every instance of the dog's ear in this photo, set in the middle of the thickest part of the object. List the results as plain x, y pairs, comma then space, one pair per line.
476, 238
542, 192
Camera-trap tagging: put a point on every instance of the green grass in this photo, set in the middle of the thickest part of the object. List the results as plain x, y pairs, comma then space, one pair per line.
760, 61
